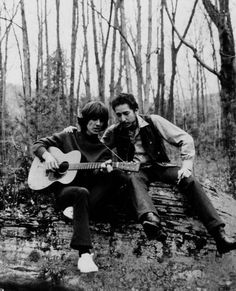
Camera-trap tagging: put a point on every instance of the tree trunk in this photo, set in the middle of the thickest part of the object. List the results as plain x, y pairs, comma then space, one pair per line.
75, 23
148, 60
86, 52
78, 86
39, 73
27, 76
101, 65
203, 93
125, 49
39, 70
218, 132
2, 111
198, 97
95, 40
113, 52
138, 60
222, 20
170, 109
61, 101
118, 86
174, 51
159, 100
48, 64
174, 54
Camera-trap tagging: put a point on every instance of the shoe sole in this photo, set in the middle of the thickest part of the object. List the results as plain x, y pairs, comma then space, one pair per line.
86, 272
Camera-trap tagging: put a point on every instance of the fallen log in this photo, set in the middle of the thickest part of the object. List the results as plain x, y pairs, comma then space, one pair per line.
35, 251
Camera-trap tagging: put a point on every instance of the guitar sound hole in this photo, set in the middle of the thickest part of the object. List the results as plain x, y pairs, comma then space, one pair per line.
63, 167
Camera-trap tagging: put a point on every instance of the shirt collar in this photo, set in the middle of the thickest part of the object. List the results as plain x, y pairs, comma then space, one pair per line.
141, 122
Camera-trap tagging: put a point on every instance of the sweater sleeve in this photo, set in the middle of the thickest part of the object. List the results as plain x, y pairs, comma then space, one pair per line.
41, 145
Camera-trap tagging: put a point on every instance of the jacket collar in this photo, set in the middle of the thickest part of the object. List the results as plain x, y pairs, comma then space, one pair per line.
141, 121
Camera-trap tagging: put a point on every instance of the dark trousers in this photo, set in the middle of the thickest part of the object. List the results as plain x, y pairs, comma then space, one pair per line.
89, 197
142, 202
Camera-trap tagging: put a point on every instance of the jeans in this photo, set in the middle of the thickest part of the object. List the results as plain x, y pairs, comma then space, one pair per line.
89, 197
190, 187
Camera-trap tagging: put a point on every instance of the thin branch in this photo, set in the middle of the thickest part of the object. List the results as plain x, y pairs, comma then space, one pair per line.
10, 20
119, 30
194, 50
189, 22
108, 32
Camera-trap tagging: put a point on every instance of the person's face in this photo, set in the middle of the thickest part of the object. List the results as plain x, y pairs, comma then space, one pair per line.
125, 115
94, 126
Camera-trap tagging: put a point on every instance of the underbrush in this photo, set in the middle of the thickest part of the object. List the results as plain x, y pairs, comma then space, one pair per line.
214, 171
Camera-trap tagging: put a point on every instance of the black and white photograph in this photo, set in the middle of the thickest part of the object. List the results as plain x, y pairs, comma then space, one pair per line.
117, 145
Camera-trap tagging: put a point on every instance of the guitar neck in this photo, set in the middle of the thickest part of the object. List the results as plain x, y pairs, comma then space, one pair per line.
93, 166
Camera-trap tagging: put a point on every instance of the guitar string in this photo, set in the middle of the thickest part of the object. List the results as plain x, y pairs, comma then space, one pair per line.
111, 151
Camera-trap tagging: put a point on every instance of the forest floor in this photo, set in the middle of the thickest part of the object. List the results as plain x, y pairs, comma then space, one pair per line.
152, 270
215, 172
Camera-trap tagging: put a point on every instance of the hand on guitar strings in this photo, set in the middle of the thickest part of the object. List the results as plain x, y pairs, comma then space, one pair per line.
50, 162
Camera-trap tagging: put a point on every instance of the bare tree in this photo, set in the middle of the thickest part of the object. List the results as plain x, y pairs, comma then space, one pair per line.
100, 65
86, 52
125, 47
2, 102
159, 99
39, 70
59, 61
197, 83
118, 86
113, 51
78, 85
48, 64
75, 23
148, 59
27, 74
174, 53
138, 59
191, 90
26, 54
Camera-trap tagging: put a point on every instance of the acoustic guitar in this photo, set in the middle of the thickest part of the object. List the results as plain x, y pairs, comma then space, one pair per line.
40, 178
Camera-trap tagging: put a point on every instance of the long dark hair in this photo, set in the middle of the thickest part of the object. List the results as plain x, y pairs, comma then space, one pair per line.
93, 110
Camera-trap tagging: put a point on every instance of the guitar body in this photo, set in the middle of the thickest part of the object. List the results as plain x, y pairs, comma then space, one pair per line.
39, 178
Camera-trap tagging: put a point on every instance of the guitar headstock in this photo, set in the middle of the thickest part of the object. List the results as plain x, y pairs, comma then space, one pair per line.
129, 166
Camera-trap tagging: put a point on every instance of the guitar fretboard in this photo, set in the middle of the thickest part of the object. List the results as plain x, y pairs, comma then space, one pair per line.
92, 166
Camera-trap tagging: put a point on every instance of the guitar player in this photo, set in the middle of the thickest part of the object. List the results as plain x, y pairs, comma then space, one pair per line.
90, 191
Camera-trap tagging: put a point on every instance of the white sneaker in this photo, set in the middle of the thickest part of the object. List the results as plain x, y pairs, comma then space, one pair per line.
86, 264
68, 212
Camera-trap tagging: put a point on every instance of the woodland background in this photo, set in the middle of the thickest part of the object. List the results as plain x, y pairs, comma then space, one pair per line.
177, 57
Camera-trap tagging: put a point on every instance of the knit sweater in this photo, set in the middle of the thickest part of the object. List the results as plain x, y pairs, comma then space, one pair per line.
92, 150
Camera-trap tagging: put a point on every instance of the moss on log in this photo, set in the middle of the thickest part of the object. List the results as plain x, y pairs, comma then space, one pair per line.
35, 251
